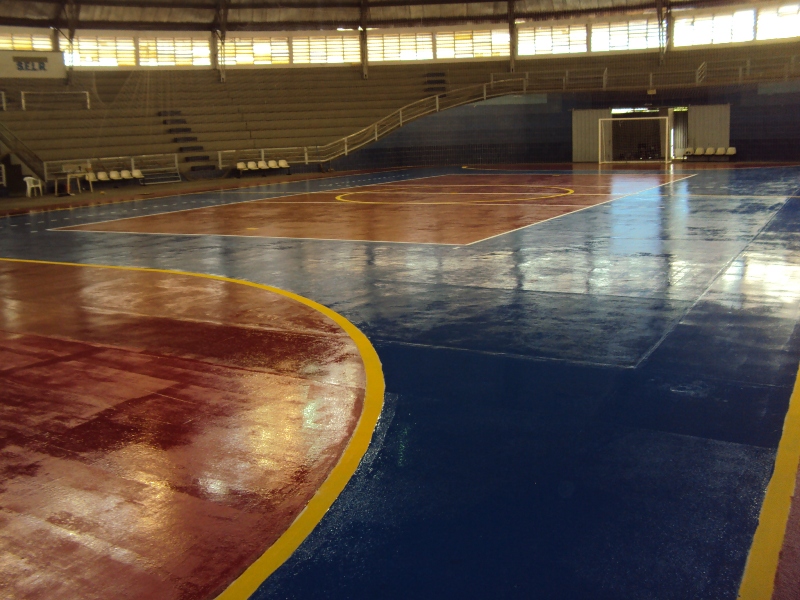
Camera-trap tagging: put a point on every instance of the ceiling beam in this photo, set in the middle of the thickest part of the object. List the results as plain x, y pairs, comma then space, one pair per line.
59, 21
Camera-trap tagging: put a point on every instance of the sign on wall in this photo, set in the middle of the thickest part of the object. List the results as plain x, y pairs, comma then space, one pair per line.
32, 65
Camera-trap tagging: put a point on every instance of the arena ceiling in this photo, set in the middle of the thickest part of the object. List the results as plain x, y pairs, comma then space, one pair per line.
272, 15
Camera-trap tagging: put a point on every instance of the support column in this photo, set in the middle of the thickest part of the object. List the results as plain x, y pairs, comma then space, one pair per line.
512, 37
220, 32
362, 38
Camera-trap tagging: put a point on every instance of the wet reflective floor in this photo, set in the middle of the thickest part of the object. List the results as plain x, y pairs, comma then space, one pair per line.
448, 209
586, 407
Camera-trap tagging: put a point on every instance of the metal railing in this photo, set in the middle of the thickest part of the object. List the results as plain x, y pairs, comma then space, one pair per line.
376, 131
706, 73
501, 84
17, 147
3, 104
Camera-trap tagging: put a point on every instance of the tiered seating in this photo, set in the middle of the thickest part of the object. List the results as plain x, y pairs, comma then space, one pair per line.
258, 108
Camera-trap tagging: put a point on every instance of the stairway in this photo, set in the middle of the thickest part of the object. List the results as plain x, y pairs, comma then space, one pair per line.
179, 126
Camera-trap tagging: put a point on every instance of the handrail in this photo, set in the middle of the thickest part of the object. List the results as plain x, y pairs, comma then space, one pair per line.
17, 147
501, 84
377, 130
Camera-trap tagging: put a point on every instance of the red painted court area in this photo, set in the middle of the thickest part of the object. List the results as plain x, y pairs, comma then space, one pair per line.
449, 209
160, 430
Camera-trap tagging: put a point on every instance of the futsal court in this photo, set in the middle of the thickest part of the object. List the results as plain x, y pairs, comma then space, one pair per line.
457, 209
437, 382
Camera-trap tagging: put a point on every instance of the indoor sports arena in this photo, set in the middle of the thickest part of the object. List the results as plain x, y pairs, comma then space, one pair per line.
399, 299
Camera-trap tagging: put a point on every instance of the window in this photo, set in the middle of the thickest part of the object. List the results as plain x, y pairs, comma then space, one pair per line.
326, 49
472, 44
178, 52
562, 39
254, 51
99, 51
26, 41
400, 46
778, 23
715, 29
638, 34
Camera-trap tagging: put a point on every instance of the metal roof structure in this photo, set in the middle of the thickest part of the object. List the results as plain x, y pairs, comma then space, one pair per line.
286, 15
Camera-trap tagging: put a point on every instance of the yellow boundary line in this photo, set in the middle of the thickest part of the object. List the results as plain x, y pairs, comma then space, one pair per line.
249, 581
758, 581
342, 197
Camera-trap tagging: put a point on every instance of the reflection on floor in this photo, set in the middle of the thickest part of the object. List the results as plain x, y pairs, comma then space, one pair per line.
160, 431
450, 209
586, 407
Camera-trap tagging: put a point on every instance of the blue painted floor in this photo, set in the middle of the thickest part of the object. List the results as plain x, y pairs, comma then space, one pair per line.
587, 408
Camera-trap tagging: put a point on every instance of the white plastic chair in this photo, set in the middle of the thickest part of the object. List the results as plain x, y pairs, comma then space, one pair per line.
283, 164
33, 183
710, 151
137, 174
731, 151
90, 179
699, 151
262, 164
720, 152
252, 166
273, 164
114, 176
125, 174
102, 176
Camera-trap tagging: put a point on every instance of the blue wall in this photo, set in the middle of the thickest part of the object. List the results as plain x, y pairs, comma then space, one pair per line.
532, 128
765, 125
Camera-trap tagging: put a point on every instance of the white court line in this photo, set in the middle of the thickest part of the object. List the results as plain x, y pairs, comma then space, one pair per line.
170, 212
579, 210
266, 237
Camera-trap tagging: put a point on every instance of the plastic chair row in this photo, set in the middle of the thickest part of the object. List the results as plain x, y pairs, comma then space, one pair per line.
261, 165
710, 151
123, 175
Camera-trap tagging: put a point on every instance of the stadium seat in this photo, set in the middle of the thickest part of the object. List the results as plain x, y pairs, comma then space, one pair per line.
137, 174
283, 164
102, 176
720, 152
710, 151
273, 164
699, 151
114, 176
125, 174
252, 166
730, 151
262, 164
241, 167
33, 183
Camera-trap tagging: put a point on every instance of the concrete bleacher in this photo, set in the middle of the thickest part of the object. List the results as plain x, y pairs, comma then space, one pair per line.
308, 106
255, 108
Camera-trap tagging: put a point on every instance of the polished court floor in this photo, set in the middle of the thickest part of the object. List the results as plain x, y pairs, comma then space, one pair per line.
586, 379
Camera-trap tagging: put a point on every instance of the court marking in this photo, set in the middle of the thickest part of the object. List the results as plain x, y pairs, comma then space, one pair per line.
171, 212
258, 237
758, 581
403, 189
274, 556
491, 237
275, 200
232, 190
